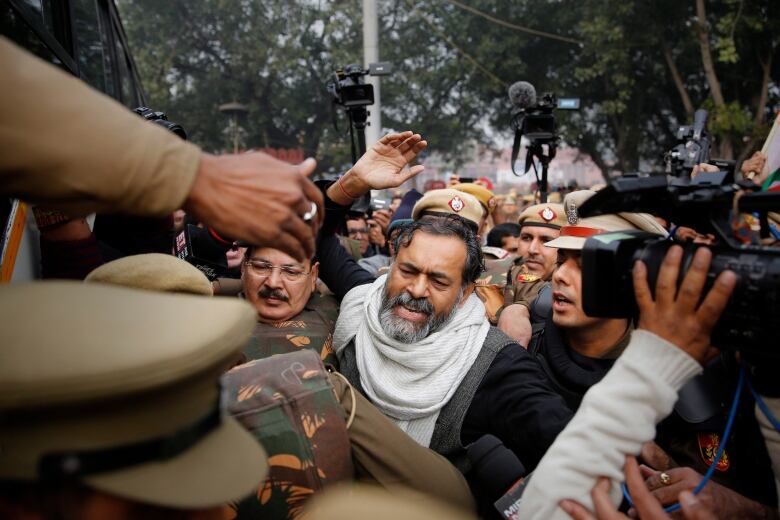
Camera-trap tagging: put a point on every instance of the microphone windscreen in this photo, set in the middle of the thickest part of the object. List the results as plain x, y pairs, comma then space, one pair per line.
496, 467
522, 94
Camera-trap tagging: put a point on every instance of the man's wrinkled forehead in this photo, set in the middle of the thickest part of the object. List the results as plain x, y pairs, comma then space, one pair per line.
430, 252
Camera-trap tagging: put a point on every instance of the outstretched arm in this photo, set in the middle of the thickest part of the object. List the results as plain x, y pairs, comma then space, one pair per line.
618, 415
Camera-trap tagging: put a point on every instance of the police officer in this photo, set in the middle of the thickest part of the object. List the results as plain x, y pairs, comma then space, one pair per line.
532, 269
577, 350
112, 408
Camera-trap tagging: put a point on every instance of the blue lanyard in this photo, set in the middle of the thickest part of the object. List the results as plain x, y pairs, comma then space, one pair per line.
726, 434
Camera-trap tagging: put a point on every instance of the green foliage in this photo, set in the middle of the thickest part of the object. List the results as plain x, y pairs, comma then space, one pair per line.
452, 69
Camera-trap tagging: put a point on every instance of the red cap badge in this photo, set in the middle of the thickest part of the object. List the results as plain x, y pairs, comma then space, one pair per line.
457, 204
547, 214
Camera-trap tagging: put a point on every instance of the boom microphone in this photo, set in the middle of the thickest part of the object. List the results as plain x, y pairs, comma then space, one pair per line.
522, 94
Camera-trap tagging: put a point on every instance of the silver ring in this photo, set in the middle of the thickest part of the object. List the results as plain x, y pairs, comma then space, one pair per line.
309, 215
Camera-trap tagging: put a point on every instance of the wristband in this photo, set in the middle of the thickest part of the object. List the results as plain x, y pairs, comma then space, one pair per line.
344, 190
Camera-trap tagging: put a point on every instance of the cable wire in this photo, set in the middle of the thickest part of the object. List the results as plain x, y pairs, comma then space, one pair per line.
721, 448
457, 48
512, 26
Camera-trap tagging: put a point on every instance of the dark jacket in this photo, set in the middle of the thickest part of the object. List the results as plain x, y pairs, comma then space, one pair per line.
513, 401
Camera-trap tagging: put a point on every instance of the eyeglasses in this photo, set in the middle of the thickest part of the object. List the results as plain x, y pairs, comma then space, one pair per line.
265, 269
358, 231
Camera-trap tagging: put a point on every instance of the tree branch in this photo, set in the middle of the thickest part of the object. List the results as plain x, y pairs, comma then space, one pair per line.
703, 33
678, 82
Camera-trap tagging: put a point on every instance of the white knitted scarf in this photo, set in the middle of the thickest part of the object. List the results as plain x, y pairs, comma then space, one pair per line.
409, 382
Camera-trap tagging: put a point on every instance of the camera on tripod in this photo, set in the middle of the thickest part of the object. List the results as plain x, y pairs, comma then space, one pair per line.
534, 119
748, 323
349, 88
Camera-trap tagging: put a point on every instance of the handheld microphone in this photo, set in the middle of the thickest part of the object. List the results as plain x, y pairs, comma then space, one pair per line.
500, 474
522, 94
204, 248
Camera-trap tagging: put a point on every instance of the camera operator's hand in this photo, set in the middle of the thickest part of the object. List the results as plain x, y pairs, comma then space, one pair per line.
728, 503
515, 322
259, 199
375, 235
382, 166
677, 316
703, 168
382, 218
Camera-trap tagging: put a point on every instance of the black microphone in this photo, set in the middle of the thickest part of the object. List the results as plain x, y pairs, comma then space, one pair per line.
522, 94
499, 472
204, 248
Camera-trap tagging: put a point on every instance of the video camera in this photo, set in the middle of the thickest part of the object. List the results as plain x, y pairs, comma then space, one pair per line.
706, 203
349, 88
161, 119
693, 148
534, 119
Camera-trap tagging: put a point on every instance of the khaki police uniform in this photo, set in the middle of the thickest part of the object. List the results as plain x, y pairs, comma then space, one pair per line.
113, 162
154, 272
522, 287
492, 283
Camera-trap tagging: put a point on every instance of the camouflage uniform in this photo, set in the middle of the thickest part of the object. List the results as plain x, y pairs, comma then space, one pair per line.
491, 284
289, 405
312, 329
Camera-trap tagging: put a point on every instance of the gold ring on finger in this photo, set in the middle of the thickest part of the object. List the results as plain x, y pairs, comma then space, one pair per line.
665, 478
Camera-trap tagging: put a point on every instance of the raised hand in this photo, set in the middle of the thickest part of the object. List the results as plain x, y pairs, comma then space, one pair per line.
382, 166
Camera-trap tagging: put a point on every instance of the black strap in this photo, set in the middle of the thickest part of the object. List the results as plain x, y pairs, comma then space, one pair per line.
87, 462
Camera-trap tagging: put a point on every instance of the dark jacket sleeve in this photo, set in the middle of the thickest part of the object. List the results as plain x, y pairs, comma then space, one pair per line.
338, 269
516, 403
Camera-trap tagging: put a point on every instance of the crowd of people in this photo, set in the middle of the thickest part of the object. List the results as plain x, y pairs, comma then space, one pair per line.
343, 364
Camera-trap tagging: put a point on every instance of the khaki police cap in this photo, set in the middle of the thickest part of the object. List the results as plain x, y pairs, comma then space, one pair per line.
549, 215
449, 202
118, 389
576, 232
155, 272
485, 197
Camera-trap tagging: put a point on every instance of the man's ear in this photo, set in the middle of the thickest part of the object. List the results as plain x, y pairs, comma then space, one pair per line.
467, 292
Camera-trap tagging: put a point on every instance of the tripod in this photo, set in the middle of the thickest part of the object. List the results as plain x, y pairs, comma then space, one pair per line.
536, 149
358, 117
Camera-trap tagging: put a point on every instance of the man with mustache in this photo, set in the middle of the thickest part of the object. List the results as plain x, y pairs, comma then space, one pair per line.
291, 314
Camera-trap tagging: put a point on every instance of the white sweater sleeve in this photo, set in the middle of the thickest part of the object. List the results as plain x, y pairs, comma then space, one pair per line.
771, 436
616, 417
